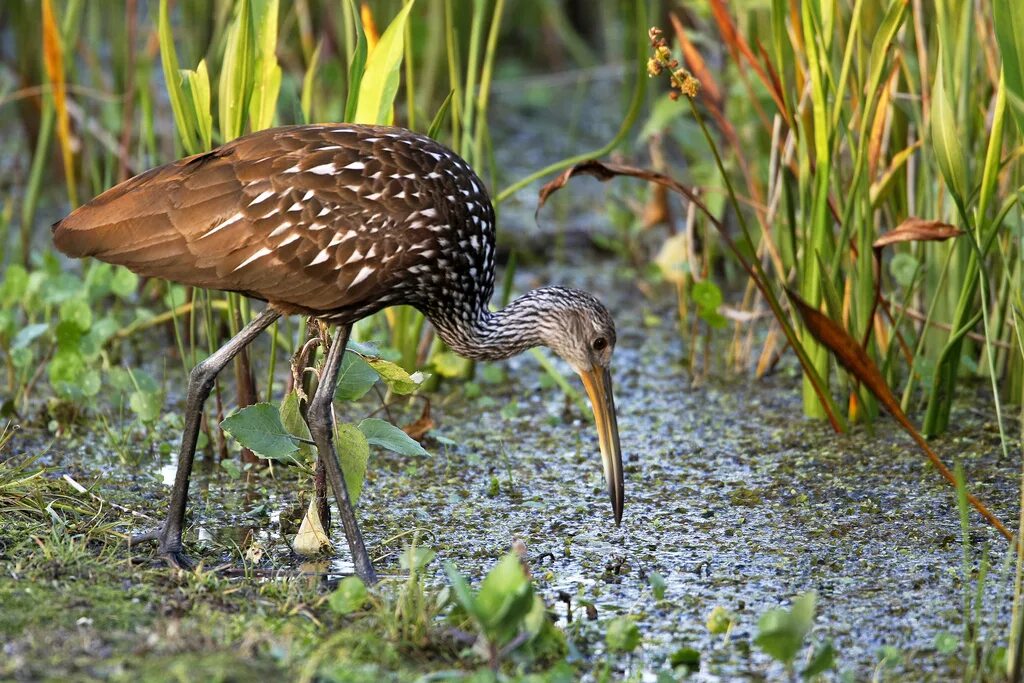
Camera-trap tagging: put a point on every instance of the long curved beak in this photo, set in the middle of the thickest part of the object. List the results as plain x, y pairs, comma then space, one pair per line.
598, 383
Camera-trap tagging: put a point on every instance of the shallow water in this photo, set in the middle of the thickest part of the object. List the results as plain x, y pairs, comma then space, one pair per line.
732, 496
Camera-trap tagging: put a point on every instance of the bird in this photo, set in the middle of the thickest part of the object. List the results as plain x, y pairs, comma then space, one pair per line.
337, 221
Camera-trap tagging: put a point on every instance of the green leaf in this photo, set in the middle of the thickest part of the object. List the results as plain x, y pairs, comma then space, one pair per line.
236, 73
28, 334
349, 596
707, 295
400, 381
946, 643
622, 635
196, 85
358, 64
903, 268
781, 632
685, 656
386, 435
946, 139
124, 282
354, 453
823, 659
77, 311
462, 591
309, 85
447, 364
415, 558
354, 378
71, 377
1008, 21
147, 406
442, 112
266, 72
294, 423
504, 599
258, 427
15, 285
720, 620
172, 77
379, 84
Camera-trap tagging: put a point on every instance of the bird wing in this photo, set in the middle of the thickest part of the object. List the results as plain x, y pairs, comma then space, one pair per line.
309, 218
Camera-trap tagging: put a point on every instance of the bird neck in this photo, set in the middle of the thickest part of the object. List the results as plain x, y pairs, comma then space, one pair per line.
495, 335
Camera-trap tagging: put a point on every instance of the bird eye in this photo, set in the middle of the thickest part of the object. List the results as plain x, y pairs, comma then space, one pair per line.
600, 343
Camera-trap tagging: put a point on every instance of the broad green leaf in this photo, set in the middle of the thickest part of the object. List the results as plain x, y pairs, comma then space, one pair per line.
1008, 22
15, 284
504, 599
294, 423
823, 659
124, 282
720, 620
386, 435
71, 377
354, 452
77, 311
903, 268
707, 295
349, 596
622, 635
400, 381
258, 427
447, 364
781, 632
172, 77
147, 405
236, 73
355, 378
415, 558
379, 84
267, 72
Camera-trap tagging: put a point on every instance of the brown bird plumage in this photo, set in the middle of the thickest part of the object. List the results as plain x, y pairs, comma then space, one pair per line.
313, 219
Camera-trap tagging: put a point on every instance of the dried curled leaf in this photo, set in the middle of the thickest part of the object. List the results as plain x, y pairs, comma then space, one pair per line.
855, 359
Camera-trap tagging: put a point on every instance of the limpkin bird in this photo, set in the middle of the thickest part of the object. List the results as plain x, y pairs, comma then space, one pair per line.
337, 222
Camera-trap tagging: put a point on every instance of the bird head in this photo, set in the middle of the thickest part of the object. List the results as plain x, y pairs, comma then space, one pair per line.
581, 330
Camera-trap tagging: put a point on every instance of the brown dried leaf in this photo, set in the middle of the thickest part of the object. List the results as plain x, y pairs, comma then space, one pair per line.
852, 356
423, 424
917, 230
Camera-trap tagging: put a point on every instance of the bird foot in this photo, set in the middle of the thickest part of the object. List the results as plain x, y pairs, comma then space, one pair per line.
169, 547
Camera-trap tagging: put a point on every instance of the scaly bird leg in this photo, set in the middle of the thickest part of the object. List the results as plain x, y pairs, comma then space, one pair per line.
199, 386
321, 426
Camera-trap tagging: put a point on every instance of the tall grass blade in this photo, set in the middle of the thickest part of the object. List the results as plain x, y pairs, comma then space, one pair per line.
236, 74
357, 64
180, 105
1008, 22
380, 80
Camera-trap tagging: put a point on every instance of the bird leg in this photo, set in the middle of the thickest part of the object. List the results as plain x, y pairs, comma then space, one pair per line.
199, 386
321, 427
